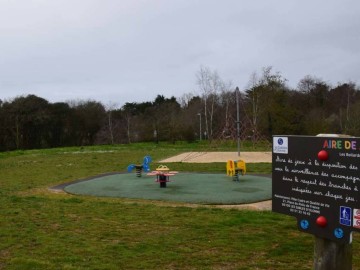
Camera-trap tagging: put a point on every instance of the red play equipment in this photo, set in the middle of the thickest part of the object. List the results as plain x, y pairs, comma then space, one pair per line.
163, 174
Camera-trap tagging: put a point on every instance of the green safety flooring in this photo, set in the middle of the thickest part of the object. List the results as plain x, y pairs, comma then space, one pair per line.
200, 188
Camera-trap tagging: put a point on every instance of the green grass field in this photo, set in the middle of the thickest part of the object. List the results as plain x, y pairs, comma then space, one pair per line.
40, 229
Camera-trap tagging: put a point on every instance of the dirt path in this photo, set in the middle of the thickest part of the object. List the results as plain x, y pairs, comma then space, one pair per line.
259, 206
208, 157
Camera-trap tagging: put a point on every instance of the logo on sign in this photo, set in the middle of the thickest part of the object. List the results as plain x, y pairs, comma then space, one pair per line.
356, 218
280, 145
357, 213
345, 215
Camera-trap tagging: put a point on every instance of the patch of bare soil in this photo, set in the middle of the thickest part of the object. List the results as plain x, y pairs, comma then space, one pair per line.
259, 206
209, 157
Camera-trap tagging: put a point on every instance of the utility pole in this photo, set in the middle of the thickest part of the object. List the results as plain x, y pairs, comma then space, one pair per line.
237, 92
199, 114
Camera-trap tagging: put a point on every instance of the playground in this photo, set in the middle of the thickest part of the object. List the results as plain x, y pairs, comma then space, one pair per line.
183, 187
84, 231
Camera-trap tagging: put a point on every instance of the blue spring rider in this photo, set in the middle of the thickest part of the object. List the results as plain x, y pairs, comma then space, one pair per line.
138, 168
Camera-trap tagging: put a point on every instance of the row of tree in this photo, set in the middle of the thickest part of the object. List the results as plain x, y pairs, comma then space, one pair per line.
266, 107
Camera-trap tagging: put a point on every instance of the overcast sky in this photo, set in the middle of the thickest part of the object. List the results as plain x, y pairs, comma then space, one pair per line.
118, 51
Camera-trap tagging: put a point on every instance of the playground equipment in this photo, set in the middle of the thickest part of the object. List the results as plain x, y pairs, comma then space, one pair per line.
233, 168
139, 167
163, 174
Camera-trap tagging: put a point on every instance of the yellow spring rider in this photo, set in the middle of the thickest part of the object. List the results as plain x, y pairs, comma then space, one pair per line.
233, 168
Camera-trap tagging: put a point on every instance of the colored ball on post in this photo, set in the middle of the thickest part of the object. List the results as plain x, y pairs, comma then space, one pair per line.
321, 221
323, 155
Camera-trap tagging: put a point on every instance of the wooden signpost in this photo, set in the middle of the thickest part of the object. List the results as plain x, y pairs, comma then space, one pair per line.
317, 180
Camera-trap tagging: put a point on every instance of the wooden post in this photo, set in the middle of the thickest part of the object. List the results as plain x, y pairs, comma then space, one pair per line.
329, 255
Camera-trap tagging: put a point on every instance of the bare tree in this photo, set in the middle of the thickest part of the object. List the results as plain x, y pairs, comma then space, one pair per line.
128, 111
185, 99
110, 107
226, 110
210, 85
260, 100
308, 83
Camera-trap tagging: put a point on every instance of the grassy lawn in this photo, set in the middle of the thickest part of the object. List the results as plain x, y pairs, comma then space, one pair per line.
40, 229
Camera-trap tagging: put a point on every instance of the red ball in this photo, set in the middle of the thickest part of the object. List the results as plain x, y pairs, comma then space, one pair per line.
323, 155
321, 221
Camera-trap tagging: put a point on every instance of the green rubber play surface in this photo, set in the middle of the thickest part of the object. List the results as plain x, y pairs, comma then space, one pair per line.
200, 188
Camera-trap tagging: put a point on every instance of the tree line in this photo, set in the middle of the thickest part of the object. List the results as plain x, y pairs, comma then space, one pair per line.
268, 106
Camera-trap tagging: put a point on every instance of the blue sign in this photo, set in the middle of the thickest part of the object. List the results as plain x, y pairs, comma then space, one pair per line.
345, 215
339, 233
304, 224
